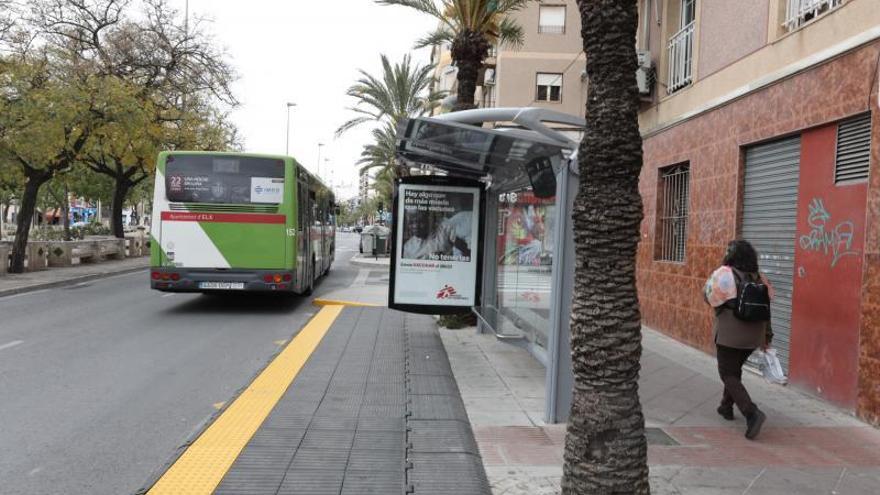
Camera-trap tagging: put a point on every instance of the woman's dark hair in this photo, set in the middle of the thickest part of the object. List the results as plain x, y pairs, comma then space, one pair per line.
742, 256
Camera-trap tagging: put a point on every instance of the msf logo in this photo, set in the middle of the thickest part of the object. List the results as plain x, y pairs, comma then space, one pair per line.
447, 292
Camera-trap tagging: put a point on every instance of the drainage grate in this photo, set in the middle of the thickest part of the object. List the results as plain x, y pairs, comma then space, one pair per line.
656, 436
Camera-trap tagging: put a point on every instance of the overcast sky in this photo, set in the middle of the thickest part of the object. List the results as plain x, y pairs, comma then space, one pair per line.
307, 52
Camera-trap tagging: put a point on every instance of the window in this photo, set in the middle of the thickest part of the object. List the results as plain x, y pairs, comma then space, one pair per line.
799, 12
688, 13
551, 19
672, 213
223, 179
681, 49
549, 87
853, 150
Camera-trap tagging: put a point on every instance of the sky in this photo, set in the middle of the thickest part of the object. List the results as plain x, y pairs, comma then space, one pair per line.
308, 53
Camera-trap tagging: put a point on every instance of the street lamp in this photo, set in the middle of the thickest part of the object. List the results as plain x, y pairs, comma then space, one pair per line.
320, 145
287, 135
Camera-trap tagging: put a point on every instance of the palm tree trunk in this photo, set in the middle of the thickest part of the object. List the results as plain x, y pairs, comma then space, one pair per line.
605, 448
469, 50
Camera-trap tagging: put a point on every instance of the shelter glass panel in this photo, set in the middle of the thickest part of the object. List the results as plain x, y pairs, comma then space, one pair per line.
525, 258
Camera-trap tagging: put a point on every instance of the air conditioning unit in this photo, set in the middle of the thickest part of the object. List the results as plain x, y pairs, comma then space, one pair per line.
489, 77
645, 72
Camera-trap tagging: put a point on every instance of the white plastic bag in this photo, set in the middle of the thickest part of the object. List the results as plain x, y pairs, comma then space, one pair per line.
771, 368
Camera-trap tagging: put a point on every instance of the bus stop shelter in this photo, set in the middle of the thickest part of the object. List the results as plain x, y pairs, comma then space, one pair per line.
527, 161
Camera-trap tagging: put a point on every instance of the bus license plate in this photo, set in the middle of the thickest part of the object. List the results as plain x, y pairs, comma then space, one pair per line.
222, 285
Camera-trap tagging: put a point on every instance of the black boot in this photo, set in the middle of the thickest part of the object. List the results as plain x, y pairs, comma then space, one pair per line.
726, 412
754, 422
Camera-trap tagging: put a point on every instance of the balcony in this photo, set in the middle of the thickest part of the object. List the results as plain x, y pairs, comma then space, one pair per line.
800, 12
681, 57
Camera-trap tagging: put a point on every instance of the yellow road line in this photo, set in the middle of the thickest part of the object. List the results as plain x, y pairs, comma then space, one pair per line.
201, 468
333, 302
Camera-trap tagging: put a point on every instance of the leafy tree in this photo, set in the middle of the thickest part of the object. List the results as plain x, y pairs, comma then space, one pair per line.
472, 26
44, 126
605, 448
159, 80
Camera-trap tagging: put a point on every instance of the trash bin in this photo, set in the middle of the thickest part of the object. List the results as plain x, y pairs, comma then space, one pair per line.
374, 240
381, 243
367, 242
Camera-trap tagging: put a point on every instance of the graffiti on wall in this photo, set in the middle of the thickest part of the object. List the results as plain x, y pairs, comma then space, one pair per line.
835, 241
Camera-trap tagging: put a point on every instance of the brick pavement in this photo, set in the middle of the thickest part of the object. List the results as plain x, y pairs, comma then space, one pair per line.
807, 446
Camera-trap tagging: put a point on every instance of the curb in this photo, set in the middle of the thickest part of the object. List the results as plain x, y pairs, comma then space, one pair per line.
363, 262
333, 302
69, 281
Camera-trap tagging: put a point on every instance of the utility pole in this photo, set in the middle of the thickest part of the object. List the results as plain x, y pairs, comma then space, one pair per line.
320, 145
287, 135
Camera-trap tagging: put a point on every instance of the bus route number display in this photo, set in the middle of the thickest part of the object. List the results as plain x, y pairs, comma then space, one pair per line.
436, 241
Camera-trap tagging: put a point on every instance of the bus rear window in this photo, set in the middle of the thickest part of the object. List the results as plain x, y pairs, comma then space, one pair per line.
224, 179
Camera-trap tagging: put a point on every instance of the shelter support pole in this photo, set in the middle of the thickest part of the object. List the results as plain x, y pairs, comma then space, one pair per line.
560, 378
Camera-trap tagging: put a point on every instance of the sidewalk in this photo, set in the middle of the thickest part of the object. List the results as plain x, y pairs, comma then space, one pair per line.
370, 261
806, 446
362, 401
11, 284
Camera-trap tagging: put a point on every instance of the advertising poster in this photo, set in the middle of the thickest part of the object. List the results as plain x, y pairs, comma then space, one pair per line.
436, 244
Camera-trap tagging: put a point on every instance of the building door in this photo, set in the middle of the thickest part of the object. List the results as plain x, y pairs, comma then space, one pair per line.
769, 222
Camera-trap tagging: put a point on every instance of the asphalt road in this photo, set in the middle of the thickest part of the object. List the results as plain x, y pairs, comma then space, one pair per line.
101, 383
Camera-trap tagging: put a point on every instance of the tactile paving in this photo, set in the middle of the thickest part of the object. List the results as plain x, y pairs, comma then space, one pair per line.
374, 410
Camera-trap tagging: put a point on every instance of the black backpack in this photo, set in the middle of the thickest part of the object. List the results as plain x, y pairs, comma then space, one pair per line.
752, 301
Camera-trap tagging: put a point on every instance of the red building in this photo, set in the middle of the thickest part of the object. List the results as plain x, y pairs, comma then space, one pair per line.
763, 123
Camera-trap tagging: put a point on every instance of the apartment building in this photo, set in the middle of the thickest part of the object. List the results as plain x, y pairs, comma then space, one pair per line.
546, 71
761, 121
364, 181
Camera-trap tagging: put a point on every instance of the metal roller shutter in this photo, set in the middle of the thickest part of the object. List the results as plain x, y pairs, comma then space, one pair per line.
770, 224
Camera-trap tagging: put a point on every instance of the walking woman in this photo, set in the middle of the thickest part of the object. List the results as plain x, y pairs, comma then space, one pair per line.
740, 296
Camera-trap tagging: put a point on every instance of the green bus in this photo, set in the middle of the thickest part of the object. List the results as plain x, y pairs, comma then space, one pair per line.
239, 222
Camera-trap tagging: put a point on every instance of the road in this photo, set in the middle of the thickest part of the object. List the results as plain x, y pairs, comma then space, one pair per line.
100, 383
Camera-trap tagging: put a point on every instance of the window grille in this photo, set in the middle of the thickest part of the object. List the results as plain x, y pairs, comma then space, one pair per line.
673, 213
681, 56
800, 12
551, 19
853, 150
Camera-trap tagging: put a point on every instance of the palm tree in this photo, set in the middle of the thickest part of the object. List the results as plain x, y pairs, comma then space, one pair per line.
402, 91
381, 153
605, 448
472, 26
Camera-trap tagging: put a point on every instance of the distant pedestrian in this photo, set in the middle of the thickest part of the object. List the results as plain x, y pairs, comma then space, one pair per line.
740, 296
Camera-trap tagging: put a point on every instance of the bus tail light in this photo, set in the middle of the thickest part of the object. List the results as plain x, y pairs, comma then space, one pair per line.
267, 279
288, 277
166, 276
277, 278
156, 275
283, 286
175, 277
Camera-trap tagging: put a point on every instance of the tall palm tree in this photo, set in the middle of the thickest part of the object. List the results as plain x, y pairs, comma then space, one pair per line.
472, 26
381, 153
400, 92
605, 448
